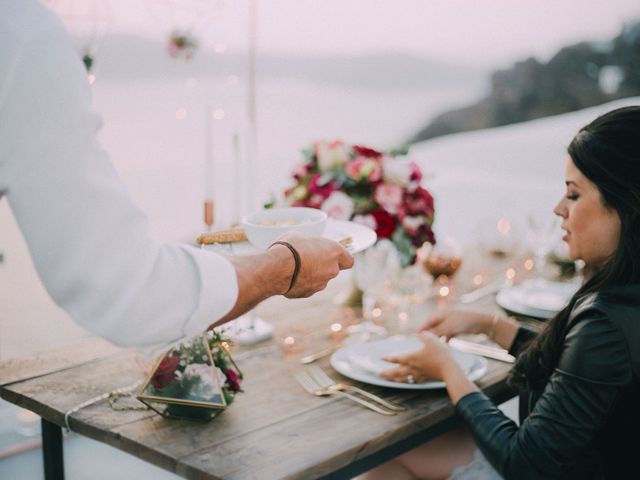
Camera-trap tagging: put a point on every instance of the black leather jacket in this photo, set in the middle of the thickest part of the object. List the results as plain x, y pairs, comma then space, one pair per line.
585, 422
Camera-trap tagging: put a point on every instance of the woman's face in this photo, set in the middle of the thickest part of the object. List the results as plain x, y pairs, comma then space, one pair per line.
592, 229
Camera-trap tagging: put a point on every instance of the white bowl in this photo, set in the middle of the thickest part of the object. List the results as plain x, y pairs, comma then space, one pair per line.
266, 226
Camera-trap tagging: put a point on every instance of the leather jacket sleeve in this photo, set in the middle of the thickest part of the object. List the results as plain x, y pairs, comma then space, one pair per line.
524, 335
558, 435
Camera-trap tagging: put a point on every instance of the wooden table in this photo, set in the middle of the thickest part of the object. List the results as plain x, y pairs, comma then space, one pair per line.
273, 430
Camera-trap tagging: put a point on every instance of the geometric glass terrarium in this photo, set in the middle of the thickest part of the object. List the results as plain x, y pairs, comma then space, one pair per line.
196, 380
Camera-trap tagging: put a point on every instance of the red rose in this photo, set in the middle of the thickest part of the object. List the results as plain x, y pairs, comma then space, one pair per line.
366, 152
165, 372
233, 380
424, 234
416, 173
385, 223
419, 202
301, 171
323, 190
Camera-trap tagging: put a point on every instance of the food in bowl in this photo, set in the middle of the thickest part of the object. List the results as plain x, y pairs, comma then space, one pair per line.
266, 226
282, 223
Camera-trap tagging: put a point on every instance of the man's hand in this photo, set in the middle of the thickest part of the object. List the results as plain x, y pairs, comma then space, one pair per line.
320, 261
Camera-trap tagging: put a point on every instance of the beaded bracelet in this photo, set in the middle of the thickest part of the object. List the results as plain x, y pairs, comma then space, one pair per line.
297, 260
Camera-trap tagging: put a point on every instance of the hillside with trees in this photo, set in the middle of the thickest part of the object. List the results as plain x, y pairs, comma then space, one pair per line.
576, 77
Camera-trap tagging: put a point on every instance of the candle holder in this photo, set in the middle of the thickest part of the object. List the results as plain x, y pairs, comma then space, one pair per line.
293, 338
441, 259
498, 237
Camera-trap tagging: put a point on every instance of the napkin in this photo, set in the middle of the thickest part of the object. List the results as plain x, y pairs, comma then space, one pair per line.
368, 364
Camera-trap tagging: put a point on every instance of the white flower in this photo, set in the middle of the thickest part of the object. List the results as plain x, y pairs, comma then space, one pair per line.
397, 171
366, 220
332, 154
412, 224
200, 369
338, 206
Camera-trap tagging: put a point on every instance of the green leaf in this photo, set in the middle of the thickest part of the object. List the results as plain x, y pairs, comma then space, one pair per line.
406, 250
399, 151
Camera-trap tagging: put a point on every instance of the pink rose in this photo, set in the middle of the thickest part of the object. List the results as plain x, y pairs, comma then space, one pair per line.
362, 168
389, 197
338, 206
332, 154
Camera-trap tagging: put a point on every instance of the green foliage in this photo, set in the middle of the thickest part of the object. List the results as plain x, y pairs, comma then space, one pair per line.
405, 248
178, 388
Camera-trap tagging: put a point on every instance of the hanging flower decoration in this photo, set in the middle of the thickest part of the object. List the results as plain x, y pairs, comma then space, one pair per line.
88, 22
182, 45
377, 189
188, 21
88, 60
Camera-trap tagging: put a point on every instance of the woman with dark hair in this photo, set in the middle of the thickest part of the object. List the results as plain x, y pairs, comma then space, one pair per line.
579, 379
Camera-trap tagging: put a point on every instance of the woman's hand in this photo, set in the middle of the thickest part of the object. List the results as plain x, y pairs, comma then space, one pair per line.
432, 362
450, 323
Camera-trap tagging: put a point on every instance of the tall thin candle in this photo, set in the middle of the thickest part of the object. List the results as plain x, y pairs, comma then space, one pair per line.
209, 170
239, 173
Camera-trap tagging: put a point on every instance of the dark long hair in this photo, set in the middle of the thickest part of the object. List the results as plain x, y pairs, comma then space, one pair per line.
607, 152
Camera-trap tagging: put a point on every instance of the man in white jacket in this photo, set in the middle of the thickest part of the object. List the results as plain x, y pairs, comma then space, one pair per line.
89, 242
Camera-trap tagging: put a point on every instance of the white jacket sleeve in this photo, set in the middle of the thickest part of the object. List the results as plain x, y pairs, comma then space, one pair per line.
89, 242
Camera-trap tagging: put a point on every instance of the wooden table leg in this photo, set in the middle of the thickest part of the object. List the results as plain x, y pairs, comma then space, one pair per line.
52, 451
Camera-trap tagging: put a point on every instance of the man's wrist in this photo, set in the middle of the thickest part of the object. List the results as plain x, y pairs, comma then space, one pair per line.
284, 265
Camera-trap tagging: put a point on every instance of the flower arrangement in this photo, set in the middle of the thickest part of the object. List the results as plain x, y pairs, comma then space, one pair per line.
197, 379
377, 189
182, 45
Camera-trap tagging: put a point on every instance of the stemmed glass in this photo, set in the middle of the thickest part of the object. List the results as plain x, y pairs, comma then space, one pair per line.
442, 259
542, 235
370, 271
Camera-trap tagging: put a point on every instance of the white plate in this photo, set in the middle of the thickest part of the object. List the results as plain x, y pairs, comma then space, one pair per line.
536, 298
362, 238
361, 361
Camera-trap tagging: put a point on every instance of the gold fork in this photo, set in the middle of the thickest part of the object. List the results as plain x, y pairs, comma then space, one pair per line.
305, 380
325, 381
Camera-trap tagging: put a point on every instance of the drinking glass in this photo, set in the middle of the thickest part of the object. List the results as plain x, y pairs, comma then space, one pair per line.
370, 271
443, 258
542, 235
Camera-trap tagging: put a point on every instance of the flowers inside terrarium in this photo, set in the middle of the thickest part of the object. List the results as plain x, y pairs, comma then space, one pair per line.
196, 379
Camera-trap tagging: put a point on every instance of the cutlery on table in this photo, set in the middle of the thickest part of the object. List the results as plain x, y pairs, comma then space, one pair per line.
305, 380
317, 355
484, 350
478, 293
326, 381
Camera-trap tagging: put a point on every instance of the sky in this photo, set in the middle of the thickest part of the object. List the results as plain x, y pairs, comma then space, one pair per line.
488, 33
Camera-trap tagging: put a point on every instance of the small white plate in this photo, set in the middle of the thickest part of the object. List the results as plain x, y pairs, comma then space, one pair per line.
362, 237
536, 298
361, 362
